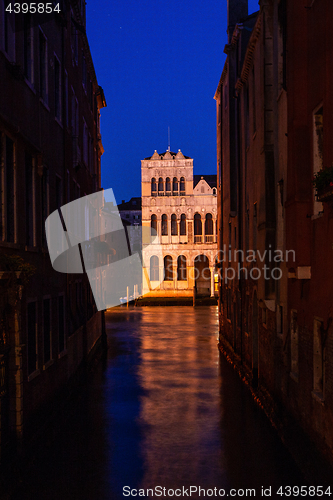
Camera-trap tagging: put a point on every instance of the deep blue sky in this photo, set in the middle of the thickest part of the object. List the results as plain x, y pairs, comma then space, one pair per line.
159, 64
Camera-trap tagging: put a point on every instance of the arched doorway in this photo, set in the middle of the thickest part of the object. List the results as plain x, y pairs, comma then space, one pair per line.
202, 275
255, 341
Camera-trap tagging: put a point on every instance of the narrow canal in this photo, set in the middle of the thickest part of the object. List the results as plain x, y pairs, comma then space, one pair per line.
163, 410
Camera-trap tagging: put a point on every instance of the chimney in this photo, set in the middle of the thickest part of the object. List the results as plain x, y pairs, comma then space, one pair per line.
237, 10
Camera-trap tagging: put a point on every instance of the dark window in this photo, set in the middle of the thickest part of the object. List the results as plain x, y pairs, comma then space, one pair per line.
282, 16
168, 268
160, 187
84, 72
182, 185
153, 186
45, 202
254, 100
57, 89
174, 229
175, 185
32, 337
164, 225
10, 194
154, 268
58, 192
29, 209
153, 225
197, 225
167, 184
183, 225
47, 330
209, 225
181, 268
42, 66
61, 323
28, 48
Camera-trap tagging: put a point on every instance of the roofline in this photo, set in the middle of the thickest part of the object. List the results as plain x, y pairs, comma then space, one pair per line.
248, 59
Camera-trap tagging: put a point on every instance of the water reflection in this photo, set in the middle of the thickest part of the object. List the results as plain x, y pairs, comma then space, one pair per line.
166, 410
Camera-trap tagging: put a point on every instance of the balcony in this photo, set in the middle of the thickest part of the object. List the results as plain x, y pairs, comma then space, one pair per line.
209, 239
198, 239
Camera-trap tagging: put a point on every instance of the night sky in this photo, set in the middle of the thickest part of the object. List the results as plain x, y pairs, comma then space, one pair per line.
159, 64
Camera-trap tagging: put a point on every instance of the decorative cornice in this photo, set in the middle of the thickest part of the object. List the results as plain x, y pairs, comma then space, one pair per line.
248, 59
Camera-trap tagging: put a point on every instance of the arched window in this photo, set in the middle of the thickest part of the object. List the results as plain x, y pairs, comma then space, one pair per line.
183, 225
174, 229
154, 268
182, 185
153, 187
209, 229
160, 187
168, 268
153, 225
181, 268
209, 225
214, 191
197, 225
164, 225
197, 228
175, 186
168, 186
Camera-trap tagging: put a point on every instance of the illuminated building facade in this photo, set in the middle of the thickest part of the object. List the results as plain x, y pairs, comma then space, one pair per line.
181, 208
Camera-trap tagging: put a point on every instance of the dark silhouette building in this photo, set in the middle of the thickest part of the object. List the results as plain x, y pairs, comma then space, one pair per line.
273, 135
50, 151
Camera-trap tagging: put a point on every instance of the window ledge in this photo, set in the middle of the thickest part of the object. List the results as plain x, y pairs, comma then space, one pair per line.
49, 363
62, 353
30, 85
294, 376
30, 249
33, 375
8, 244
44, 103
58, 122
318, 396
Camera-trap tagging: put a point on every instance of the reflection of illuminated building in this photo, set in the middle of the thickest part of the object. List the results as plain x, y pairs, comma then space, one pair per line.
182, 209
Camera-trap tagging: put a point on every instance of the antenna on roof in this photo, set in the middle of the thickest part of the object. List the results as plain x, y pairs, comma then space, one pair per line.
168, 138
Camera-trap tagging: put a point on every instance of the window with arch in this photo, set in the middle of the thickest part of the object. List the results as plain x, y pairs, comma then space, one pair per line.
197, 228
174, 229
197, 225
182, 185
153, 225
183, 225
209, 229
168, 268
175, 185
214, 191
153, 187
154, 268
164, 225
160, 187
181, 268
168, 185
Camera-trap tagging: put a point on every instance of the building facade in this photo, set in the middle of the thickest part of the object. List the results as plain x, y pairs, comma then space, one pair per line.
50, 152
181, 208
272, 229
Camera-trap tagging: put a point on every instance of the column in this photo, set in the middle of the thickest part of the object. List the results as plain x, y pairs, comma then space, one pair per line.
211, 281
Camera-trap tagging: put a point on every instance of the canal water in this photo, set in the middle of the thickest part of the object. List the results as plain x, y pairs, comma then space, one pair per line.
163, 410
